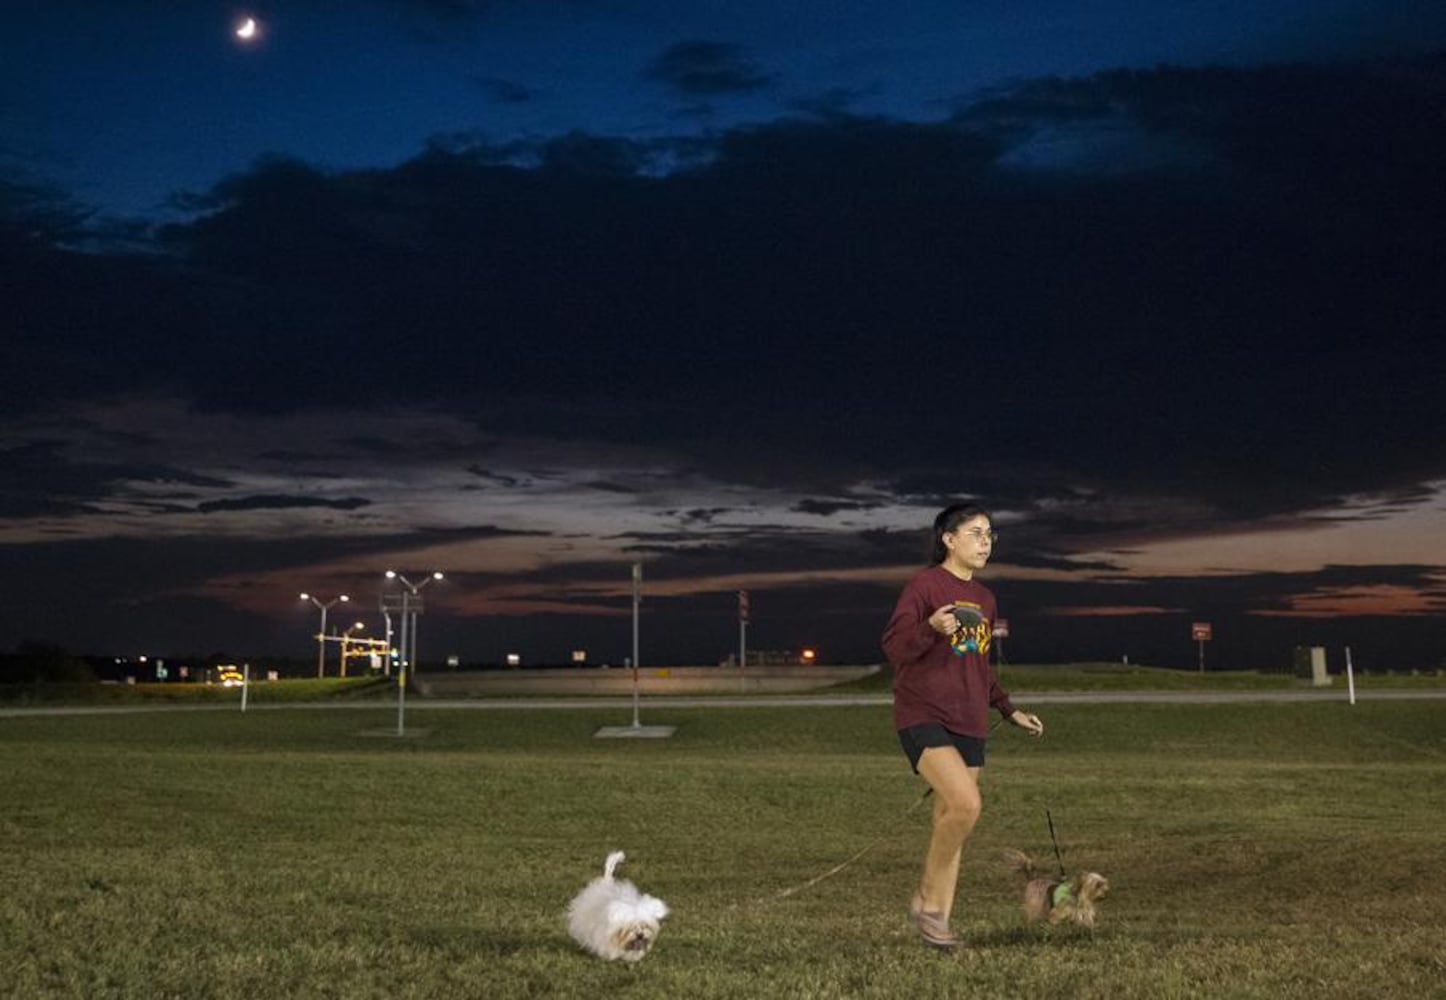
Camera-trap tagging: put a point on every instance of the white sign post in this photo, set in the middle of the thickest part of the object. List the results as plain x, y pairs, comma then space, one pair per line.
742, 636
401, 697
1350, 677
637, 599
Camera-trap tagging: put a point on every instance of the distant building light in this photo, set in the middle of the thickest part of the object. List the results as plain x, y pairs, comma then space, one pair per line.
808, 655
579, 656
514, 660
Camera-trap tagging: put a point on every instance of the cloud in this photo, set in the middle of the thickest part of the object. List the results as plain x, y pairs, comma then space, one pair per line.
572, 278
1105, 611
787, 345
836, 102
827, 508
505, 91
707, 69
450, 9
45, 478
36, 213
275, 502
1356, 601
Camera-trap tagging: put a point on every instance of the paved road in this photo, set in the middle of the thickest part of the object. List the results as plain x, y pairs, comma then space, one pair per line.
751, 701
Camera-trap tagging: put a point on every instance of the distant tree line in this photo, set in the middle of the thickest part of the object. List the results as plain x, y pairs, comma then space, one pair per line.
41, 662
44, 663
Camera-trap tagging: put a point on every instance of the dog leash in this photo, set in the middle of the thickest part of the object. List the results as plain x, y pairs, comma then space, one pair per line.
1057, 859
784, 894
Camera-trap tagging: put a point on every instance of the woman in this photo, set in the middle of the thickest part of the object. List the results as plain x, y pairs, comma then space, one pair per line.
938, 644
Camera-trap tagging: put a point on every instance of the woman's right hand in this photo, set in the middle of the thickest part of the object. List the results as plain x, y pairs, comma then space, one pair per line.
943, 621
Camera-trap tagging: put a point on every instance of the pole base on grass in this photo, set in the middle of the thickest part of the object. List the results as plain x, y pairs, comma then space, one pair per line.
392, 732
634, 732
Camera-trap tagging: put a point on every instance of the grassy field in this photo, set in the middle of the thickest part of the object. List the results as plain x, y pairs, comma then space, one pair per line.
290, 690
1015, 677
1255, 851
1129, 677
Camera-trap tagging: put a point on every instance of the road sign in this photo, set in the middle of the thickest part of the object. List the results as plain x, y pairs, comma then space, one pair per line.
743, 606
1200, 632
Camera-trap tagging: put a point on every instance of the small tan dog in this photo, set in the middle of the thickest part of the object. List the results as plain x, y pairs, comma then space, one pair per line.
1058, 899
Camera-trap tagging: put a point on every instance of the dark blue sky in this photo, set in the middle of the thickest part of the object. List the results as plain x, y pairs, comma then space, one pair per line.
127, 103
527, 292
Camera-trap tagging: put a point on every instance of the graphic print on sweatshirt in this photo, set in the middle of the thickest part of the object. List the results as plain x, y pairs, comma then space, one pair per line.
974, 630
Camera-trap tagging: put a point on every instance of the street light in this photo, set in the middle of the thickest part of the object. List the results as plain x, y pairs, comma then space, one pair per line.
346, 643
411, 607
321, 636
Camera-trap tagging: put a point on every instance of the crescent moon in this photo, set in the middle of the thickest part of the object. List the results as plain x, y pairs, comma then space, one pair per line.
246, 30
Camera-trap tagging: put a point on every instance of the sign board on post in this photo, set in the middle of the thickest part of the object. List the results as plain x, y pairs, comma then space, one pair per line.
1201, 633
998, 632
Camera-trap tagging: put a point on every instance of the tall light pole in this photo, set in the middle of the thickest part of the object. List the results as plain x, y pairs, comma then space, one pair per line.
411, 607
321, 636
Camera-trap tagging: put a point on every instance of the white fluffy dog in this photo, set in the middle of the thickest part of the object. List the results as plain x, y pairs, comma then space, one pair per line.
611, 919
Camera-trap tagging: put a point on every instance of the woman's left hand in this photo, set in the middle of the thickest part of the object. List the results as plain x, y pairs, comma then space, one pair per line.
1032, 724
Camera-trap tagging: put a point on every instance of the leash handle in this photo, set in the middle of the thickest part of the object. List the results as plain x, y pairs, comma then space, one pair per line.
1057, 859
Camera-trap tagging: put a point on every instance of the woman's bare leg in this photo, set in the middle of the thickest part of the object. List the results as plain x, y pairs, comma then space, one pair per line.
956, 809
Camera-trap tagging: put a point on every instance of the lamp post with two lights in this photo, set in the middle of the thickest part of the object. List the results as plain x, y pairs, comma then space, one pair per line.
321, 635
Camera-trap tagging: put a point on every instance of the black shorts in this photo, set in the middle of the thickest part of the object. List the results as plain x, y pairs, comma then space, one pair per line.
916, 739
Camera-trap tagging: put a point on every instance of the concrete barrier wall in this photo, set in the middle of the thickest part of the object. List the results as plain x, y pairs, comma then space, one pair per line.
619, 680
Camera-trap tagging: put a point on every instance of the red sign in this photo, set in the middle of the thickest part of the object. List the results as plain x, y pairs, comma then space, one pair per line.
1200, 631
1001, 628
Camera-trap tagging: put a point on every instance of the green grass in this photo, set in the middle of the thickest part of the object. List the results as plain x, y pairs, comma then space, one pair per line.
1128, 677
1016, 678
289, 690
1255, 851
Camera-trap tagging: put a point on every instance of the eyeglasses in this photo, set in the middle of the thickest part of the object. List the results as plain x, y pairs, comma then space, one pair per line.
979, 534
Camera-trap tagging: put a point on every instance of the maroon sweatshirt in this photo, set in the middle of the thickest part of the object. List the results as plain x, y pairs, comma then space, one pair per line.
935, 679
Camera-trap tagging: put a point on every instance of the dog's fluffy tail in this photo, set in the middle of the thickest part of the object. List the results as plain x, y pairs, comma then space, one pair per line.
614, 859
1021, 863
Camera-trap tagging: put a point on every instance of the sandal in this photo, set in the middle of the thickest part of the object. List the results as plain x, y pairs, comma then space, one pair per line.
933, 928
